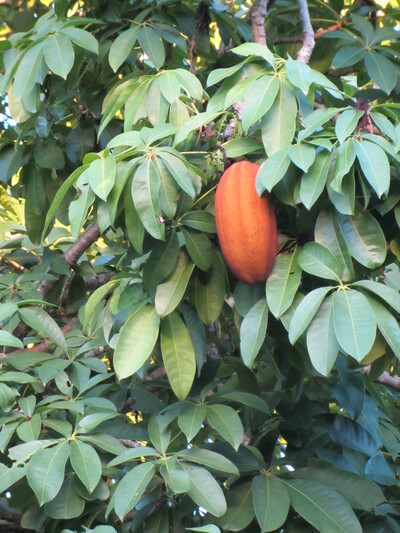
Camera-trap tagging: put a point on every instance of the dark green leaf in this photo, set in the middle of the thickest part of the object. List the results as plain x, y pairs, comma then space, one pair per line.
131, 488
271, 502
178, 355
354, 321
136, 341
252, 332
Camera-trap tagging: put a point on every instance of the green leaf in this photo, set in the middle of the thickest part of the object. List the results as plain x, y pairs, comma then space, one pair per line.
255, 49
7, 310
258, 99
205, 491
145, 189
86, 464
178, 355
170, 293
67, 504
345, 157
282, 283
359, 491
194, 123
354, 321
134, 226
209, 459
299, 74
122, 47
319, 261
7, 397
170, 86
6, 339
131, 488
347, 123
315, 120
101, 174
9, 476
272, 171
190, 83
200, 220
59, 54
133, 454
159, 432
322, 507
175, 476
388, 295
211, 528
364, 237
313, 182
136, 341
381, 70
161, 261
37, 319
375, 166
271, 502
245, 398
27, 71
329, 233
179, 172
344, 202
241, 146
220, 74
322, 344
278, 125
30, 429
46, 469
199, 248
58, 198
210, 290
252, 332
227, 423
82, 38
168, 194
78, 210
95, 299
155, 106
387, 325
240, 508
348, 56
305, 312
302, 155
191, 418
152, 45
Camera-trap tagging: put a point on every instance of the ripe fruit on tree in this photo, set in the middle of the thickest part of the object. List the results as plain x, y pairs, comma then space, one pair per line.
246, 224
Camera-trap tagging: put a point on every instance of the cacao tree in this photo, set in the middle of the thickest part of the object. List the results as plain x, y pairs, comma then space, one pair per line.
143, 386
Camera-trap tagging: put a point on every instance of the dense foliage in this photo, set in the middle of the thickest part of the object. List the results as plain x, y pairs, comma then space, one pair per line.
142, 387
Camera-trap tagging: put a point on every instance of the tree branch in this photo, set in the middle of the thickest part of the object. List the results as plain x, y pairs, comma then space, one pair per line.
258, 14
71, 256
304, 54
384, 379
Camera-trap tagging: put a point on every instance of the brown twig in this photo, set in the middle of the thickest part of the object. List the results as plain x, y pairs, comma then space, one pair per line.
384, 379
42, 346
304, 54
130, 443
336, 73
71, 256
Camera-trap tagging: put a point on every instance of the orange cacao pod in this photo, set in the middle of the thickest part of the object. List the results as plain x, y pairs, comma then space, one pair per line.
246, 224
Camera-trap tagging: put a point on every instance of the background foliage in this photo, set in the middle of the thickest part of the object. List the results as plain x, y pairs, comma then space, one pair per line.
142, 387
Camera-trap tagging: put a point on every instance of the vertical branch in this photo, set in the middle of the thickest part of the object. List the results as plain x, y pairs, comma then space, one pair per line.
304, 54
258, 14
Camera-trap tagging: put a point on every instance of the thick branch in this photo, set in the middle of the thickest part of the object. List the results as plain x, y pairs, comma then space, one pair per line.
304, 54
84, 242
384, 379
72, 255
258, 14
